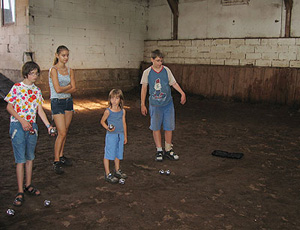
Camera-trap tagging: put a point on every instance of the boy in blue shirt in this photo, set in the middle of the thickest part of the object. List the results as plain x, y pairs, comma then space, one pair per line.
161, 107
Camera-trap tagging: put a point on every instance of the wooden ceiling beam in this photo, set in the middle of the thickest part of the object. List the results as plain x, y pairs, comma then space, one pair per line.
288, 18
174, 8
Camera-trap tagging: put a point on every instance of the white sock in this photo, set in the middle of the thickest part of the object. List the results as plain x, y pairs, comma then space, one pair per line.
168, 146
159, 148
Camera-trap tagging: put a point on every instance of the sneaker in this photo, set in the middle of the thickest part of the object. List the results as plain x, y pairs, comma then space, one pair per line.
65, 161
159, 156
57, 167
171, 155
111, 178
119, 174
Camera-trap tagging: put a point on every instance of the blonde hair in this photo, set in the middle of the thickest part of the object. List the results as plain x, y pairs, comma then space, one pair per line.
58, 50
116, 93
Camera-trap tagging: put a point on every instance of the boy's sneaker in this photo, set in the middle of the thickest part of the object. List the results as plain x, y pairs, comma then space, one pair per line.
65, 161
57, 167
111, 178
171, 155
119, 174
159, 156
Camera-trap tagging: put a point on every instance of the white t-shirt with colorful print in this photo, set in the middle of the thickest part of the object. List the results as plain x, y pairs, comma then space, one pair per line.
25, 100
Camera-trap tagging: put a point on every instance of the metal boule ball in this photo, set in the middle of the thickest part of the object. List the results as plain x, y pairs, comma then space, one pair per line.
10, 212
111, 127
47, 203
168, 172
122, 181
161, 171
53, 131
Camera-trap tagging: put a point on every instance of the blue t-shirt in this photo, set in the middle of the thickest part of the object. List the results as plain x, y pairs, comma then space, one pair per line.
115, 119
159, 88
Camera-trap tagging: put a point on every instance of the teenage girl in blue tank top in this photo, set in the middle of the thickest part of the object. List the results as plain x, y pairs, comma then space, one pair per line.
62, 84
116, 136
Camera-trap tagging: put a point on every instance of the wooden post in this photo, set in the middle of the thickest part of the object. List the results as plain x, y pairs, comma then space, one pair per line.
174, 7
288, 6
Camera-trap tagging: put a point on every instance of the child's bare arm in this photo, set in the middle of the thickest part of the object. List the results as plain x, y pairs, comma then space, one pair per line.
143, 99
104, 118
178, 88
25, 124
125, 126
44, 118
73, 86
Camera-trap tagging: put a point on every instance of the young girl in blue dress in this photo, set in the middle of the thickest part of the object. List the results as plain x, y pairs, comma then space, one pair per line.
113, 120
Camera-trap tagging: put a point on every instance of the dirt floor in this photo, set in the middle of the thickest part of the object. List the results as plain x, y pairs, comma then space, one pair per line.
259, 191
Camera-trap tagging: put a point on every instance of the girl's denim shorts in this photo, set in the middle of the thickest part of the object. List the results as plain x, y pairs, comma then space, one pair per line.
59, 106
23, 142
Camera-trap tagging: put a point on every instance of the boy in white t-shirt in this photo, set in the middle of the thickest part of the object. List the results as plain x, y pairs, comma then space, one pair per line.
159, 79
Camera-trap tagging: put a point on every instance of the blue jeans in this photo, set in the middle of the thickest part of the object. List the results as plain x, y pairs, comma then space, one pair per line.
23, 142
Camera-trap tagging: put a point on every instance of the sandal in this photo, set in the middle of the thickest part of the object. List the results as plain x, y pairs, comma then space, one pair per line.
19, 200
31, 190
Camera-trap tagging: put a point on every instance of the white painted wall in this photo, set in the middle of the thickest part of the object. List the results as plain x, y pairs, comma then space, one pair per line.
209, 19
160, 20
14, 41
111, 33
99, 33
295, 28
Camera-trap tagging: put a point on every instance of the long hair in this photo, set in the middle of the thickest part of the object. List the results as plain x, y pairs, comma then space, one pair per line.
58, 50
116, 93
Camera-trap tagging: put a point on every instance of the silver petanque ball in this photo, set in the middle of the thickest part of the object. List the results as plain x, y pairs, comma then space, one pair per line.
122, 181
161, 171
47, 203
53, 131
168, 172
10, 212
110, 126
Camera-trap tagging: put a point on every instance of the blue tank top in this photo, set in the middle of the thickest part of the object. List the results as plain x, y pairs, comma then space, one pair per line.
116, 119
63, 80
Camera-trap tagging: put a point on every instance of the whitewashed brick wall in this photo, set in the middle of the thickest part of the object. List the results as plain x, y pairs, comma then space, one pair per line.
14, 41
99, 34
275, 52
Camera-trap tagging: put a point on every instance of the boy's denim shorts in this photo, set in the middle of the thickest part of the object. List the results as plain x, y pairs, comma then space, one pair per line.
59, 106
23, 142
162, 116
114, 146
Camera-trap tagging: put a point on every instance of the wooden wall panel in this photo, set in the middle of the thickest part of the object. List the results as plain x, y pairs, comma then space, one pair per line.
201, 75
220, 81
245, 83
292, 83
296, 97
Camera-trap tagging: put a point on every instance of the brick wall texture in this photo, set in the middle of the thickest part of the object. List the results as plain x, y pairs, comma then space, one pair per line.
264, 52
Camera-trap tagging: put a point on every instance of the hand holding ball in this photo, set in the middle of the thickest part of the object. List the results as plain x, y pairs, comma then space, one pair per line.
111, 127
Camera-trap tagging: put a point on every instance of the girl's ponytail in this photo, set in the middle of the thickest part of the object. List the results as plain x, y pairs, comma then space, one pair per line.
55, 61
